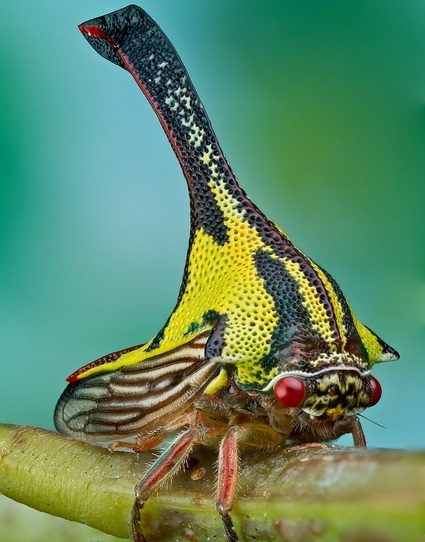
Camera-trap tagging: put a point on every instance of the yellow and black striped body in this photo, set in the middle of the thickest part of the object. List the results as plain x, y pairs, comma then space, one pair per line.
266, 309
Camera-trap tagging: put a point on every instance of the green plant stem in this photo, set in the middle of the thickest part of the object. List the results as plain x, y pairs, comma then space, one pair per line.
293, 494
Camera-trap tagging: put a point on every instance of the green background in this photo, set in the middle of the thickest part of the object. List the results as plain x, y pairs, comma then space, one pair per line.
319, 107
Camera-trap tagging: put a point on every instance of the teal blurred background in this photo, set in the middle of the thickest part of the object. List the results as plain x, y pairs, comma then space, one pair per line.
319, 106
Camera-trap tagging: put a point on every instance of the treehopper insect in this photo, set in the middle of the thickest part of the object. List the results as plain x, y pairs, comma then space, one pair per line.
262, 347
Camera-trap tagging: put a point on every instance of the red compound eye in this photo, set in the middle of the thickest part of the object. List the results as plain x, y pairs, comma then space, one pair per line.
290, 391
375, 388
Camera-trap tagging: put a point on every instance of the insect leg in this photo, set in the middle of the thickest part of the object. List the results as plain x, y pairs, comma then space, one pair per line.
168, 463
258, 435
144, 442
228, 471
357, 431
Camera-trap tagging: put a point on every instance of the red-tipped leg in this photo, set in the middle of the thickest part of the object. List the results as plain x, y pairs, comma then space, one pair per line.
168, 463
254, 434
228, 471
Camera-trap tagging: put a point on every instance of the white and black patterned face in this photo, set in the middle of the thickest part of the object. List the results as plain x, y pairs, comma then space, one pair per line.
331, 394
336, 394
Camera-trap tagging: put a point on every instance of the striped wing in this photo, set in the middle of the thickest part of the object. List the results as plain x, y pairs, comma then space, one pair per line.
139, 397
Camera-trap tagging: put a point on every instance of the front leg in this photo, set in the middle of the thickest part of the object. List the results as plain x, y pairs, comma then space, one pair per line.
254, 434
357, 431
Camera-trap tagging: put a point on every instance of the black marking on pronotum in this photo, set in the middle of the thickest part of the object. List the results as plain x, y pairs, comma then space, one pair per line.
149, 56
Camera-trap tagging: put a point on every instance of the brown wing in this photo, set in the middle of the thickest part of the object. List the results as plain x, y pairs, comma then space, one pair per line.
120, 404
